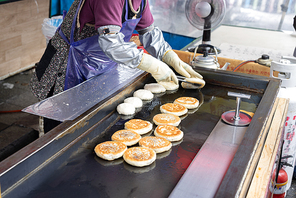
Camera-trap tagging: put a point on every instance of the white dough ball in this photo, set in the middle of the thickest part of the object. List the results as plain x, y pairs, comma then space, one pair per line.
135, 101
126, 109
155, 88
143, 94
169, 86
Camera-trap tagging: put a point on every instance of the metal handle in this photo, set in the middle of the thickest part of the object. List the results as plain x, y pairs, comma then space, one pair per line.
238, 101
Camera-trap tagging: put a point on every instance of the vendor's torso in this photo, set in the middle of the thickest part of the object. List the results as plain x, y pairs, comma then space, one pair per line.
89, 18
56, 71
86, 58
110, 12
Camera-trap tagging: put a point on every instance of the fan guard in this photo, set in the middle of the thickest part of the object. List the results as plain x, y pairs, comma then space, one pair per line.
217, 15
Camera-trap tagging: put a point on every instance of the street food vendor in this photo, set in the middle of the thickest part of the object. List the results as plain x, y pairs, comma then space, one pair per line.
94, 37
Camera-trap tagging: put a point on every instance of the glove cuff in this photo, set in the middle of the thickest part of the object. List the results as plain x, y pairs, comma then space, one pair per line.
146, 62
169, 56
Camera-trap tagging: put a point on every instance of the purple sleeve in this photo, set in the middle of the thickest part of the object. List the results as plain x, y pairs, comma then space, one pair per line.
102, 13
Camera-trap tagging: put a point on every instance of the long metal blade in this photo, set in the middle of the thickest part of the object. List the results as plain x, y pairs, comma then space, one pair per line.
69, 104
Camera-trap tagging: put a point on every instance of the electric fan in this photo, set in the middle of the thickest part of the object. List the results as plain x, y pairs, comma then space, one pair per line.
205, 15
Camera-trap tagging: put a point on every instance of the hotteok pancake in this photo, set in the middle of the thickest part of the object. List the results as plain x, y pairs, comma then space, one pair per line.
158, 144
168, 132
188, 102
110, 150
139, 156
173, 108
138, 125
166, 118
128, 137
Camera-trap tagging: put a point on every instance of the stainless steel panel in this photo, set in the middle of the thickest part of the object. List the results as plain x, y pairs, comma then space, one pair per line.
206, 171
71, 103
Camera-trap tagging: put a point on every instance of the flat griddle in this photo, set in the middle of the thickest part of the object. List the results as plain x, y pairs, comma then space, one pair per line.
66, 165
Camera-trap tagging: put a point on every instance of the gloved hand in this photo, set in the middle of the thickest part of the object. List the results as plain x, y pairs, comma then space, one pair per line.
160, 71
172, 59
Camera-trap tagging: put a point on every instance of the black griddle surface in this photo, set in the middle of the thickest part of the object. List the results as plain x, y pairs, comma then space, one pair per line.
83, 174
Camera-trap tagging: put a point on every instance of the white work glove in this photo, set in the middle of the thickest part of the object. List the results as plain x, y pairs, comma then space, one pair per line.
172, 59
160, 71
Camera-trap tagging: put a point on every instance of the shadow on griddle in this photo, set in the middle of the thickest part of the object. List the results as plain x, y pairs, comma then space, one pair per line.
177, 142
109, 163
171, 91
126, 117
163, 154
192, 111
139, 170
147, 134
146, 101
138, 109
159, 94
183, 116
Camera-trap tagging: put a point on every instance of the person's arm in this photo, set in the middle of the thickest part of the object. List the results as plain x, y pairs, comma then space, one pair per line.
154, 43
112, 43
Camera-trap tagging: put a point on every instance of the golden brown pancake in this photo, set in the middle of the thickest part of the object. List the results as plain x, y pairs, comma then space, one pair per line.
127, 137
171, 133
139, 156
173, 108
138, 125
158, 144
188, 102
166, 118
110, 150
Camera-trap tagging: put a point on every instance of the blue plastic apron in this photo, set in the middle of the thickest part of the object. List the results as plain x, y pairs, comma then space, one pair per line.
86, 58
